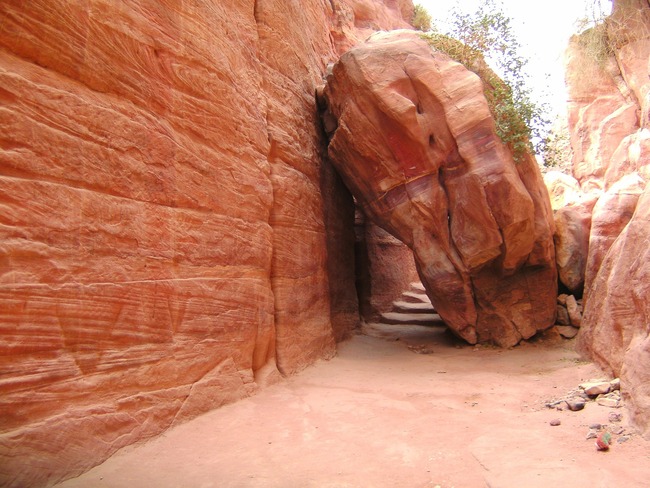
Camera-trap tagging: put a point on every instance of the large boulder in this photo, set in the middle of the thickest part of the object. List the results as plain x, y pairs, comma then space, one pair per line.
415, 142
572, 230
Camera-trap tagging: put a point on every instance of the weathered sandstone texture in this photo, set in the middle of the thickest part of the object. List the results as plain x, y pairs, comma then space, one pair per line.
610, 127
563, 189
572, 227
171, 237
616, 322
416, 143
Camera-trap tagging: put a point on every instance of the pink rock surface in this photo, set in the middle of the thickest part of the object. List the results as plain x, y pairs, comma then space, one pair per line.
416, 143
614, 142
572, 227
603, 111
163, 247
563, 189
611, 214
615, 331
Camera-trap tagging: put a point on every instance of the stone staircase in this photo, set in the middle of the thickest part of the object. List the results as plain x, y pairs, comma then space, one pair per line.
412, 308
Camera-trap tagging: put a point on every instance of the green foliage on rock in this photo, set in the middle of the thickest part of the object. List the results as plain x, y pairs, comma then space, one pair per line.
487, 34
557, 152
421, 19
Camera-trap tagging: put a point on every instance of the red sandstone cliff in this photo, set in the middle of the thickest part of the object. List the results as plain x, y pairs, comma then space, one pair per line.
170, 235
609, 119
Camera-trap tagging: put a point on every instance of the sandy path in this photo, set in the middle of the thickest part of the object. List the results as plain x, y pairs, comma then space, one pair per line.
382, 415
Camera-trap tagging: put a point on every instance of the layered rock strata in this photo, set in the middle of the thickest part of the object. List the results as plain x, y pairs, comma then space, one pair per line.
170, 237
413, 136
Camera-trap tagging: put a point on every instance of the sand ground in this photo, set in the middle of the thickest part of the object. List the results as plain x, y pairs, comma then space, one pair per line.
398, 407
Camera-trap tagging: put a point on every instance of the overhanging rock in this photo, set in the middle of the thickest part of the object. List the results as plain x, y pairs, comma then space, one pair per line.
413, 137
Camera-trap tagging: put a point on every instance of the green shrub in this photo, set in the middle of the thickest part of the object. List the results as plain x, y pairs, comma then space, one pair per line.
421, 19
486, 34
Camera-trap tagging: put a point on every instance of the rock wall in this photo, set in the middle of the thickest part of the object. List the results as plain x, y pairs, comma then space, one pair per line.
171, 236
385, 269
413, 137
610, 127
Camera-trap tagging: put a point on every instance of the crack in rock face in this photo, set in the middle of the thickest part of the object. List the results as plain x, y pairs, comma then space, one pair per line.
412, 135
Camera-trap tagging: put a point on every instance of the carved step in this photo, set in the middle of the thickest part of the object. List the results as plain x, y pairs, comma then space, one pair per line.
417, 286
411, 318
415, 297
413, 307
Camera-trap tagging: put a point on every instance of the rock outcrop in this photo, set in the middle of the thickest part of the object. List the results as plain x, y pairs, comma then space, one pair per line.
413, 137
171, 236
572, 230
609, 88
616, 323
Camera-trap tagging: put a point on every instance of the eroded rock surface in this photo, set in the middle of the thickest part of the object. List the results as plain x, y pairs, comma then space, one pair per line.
417, 145
610, 124
572, 228
616, 330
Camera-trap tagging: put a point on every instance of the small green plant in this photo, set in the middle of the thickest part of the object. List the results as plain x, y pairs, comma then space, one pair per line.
556, 149
421, 18
601, 34
486, 34
596, 43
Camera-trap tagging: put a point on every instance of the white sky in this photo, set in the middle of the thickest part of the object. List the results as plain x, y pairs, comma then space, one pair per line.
542, 28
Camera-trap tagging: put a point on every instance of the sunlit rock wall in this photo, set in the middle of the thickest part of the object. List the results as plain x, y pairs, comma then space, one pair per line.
609, 119
170, 239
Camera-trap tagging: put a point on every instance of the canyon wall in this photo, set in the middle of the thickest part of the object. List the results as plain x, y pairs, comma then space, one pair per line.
609, 119
171, 237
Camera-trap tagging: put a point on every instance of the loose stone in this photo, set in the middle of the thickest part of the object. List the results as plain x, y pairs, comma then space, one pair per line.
575, 404
615, 417
594, 389
567, 331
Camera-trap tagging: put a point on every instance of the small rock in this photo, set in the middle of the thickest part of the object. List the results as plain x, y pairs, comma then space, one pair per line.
575, 404
608, 402
562, 316
567, 331
555, 422
592, 434
561, 299
575, 316
595, 426
623, 438
595, 388
420, 349
615, 417
615, 384
603, 441
611, 399
553, 403
618, 430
